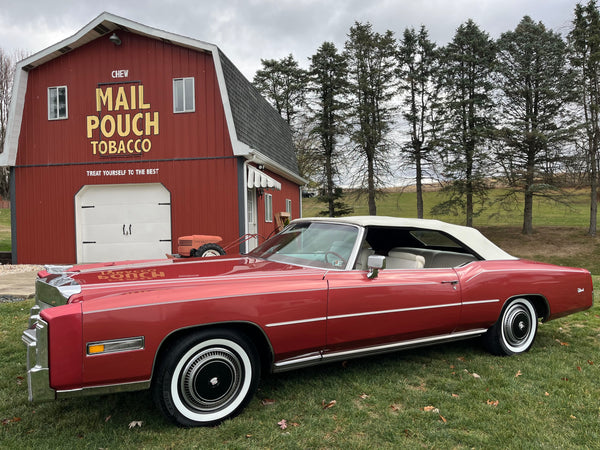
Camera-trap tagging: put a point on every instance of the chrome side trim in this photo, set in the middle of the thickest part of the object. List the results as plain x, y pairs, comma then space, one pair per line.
421, 342
106, 389
298, 362
314, 359
295, 322
391, 311
480, 302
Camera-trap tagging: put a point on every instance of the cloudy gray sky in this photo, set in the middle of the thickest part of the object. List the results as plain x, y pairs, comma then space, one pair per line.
248, 30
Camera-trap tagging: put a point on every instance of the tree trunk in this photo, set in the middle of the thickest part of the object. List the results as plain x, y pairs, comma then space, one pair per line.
528, 212
329, 175
371, 188
593, 187
419, 180
469, 183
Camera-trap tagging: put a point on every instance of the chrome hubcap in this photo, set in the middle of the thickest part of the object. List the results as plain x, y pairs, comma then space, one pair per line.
211, 379
517, 325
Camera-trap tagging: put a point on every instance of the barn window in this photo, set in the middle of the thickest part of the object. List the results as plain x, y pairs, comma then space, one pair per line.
183, 95
288, 205
57, 103
268, 208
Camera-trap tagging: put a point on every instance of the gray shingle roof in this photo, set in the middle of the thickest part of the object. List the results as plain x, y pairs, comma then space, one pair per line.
257, 123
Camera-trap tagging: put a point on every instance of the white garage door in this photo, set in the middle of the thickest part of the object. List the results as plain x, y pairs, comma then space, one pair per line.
123, 221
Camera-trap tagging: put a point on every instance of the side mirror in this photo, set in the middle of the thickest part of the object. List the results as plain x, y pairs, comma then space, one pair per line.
375, 262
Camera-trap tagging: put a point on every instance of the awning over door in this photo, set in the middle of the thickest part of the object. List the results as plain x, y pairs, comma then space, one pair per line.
258, 179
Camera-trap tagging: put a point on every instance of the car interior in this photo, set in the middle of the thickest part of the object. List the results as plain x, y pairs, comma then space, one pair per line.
409, 248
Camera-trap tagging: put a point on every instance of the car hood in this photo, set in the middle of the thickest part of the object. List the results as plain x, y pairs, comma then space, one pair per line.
59, 285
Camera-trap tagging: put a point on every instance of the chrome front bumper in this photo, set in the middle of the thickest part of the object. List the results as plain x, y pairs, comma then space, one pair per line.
38, 371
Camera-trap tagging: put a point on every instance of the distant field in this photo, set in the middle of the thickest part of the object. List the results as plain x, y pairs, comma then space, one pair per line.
404, 204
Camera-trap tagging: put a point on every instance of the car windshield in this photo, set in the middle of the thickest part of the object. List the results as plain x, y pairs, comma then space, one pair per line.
313, 244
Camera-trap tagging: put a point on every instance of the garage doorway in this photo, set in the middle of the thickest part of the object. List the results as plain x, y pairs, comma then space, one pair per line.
122, 221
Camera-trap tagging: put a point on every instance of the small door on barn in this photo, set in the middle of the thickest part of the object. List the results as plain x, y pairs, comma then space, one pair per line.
252, 225
123, 221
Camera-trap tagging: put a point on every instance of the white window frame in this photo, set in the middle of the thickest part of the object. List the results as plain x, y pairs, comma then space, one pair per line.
54, 104
180, 84
288, 206
268, 208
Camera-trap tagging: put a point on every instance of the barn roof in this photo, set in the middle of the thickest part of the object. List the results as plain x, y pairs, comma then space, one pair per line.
256, 130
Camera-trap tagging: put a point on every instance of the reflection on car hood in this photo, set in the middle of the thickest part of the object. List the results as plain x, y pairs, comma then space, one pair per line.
177, 269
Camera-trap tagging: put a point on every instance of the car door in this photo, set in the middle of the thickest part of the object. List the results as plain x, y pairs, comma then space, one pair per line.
397, 305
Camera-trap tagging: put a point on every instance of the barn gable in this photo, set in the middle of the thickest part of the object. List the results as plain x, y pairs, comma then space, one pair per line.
106, 164
256, 130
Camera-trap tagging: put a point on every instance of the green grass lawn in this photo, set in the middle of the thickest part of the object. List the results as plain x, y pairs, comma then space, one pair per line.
446, 396
5, 243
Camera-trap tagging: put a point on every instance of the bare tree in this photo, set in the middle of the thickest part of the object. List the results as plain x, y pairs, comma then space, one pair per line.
7, 73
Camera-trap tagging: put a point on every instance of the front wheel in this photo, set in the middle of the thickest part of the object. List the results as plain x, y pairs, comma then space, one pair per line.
206, 378
515, 330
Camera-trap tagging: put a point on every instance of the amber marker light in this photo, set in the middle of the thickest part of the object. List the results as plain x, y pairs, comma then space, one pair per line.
116, 345
96, 348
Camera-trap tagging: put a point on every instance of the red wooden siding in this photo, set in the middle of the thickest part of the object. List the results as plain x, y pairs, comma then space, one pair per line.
191, 153
154, 63
46, 221
289, 191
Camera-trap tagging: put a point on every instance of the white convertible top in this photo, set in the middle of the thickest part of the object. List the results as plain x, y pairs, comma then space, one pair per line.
470, 237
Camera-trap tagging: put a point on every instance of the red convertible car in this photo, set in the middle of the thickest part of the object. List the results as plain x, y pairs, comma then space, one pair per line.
199, 332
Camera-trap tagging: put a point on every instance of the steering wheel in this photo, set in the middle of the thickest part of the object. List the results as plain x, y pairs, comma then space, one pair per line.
329, 252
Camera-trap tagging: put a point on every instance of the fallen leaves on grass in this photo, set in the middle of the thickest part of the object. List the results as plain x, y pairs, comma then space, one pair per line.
474, 375
135, 423
518, 374
566, 344
13, 420
493, 403
328, 405
435, 410
363, 396
283, 424
267, 401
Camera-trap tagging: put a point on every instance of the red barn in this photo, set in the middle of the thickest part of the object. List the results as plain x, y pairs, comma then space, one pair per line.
123, 137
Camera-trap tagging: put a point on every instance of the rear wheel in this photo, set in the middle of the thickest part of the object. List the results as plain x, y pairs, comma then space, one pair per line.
208, 250
206, 378
515, 330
